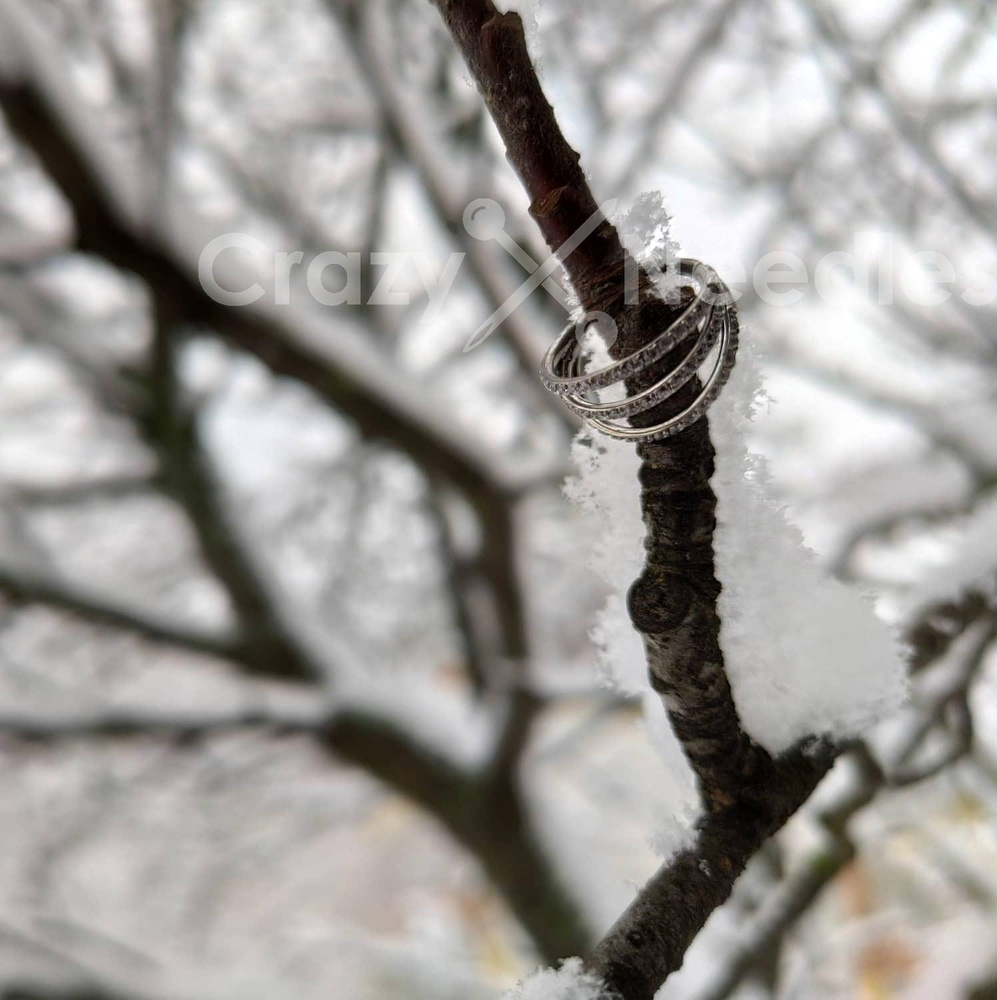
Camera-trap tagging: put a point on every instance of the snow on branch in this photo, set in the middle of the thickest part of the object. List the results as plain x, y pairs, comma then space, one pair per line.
570, 982
805, 654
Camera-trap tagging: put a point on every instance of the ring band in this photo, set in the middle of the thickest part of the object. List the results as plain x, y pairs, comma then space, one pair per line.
710, 324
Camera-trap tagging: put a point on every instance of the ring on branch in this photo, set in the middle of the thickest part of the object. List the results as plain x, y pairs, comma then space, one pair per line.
709, 321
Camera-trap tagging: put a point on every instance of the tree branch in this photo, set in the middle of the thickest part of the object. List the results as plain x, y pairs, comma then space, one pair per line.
400, 135
650, 940
30, 587
494, 46
487, 815
116, 724
377, 404
800, 889
803, 886
485, 811
748, 796
672, 604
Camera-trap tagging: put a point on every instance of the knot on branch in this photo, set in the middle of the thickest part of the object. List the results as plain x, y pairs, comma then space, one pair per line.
658, 602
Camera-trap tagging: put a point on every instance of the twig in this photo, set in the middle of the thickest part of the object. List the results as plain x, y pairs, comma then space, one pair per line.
25, 586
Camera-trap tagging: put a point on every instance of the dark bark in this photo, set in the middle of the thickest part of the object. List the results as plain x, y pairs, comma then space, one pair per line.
650, 940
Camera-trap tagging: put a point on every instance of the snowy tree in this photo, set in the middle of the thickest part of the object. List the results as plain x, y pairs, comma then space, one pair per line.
318, 677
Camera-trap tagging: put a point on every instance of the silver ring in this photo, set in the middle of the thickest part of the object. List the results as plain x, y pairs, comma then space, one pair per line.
698, 407
551, 368
714, 325
663, 388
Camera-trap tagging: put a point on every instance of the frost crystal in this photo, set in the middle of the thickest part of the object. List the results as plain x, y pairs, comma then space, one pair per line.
529, 12
604, 489
646, 229
570, 982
